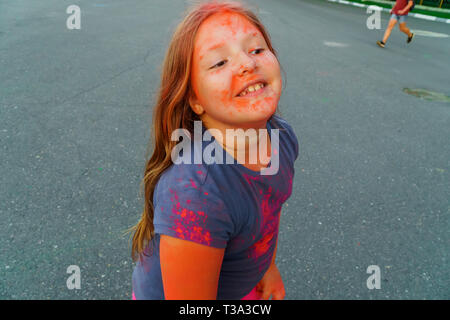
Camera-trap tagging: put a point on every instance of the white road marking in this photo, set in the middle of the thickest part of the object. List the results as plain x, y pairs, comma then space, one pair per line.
429, 34
335, 44
423, 16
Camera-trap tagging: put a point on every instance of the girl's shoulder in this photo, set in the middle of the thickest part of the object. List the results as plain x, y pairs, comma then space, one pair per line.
184, 176
287, 134
277, 122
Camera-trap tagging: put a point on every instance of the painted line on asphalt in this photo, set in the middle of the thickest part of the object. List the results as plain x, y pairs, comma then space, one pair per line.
415, 15
429, 34
335, 44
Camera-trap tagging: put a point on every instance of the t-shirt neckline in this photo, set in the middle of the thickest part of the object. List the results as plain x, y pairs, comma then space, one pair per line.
241, 166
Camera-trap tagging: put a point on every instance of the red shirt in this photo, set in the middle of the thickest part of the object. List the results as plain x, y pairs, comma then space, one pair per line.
400, 5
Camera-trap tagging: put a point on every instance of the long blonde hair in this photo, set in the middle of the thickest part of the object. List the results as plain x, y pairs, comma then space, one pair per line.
172, 109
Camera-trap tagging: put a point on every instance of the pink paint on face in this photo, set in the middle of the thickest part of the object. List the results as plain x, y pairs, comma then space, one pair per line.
229, 54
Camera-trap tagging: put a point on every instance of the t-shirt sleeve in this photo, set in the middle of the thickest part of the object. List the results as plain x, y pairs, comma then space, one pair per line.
294, 141
187, 210
291, 138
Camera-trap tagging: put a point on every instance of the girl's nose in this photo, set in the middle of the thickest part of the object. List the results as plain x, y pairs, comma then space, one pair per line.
246, 64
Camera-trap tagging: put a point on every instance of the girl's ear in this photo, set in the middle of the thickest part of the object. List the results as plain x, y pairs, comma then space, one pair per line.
196, 106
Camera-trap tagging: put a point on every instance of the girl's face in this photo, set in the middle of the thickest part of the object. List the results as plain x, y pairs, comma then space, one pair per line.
235, 77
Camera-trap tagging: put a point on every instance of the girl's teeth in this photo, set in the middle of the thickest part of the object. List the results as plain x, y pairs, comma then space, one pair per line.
256, 87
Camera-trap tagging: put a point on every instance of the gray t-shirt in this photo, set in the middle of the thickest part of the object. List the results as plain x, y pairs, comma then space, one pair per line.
222, 206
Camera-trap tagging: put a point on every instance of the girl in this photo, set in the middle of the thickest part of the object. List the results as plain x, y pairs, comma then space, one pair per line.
209, 231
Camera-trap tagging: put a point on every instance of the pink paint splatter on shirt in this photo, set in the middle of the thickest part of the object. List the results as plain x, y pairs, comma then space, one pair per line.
188, 223
270, 206
250, 179
193, 183
262, 246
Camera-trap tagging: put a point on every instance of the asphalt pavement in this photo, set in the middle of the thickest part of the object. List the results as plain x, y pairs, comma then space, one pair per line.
372, 178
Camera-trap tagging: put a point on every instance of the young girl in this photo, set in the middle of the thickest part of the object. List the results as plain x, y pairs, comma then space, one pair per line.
209, 231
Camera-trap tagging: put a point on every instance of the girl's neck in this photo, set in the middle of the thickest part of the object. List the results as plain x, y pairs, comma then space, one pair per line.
247, 142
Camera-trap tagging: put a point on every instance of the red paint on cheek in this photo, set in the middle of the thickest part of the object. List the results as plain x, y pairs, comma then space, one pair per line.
224, 96
241, 105
258, 105
269, 100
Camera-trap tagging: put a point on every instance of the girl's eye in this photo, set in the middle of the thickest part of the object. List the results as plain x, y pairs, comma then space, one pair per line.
219, 64
257, 51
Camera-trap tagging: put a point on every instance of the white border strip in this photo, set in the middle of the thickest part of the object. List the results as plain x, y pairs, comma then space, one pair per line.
415, 15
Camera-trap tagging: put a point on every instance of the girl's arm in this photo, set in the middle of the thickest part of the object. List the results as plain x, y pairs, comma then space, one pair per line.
189, 270
409, 5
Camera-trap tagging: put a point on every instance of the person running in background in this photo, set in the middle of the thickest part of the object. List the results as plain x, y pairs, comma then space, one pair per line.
398, 13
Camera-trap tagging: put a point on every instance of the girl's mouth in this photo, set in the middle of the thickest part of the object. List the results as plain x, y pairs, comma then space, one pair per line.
253, 90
